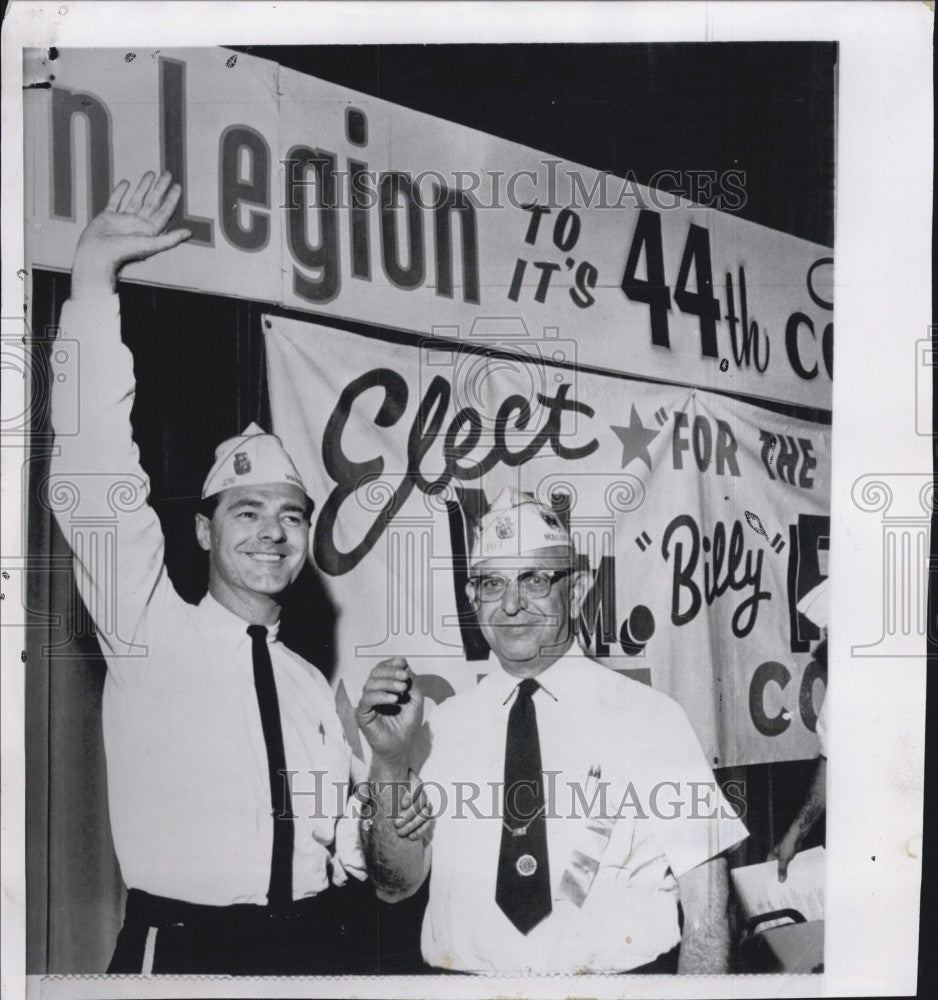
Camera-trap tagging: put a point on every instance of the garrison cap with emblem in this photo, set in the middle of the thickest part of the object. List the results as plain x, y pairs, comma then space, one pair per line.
251, 458
517, 525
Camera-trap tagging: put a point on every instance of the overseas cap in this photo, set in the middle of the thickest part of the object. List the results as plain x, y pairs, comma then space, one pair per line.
516, 525
814, 604
252, 458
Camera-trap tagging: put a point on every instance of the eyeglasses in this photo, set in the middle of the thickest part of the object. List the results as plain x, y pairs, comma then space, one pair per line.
532, 584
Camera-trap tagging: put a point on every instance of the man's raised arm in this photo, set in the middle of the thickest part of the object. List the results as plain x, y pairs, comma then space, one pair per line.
98, 469
390, 714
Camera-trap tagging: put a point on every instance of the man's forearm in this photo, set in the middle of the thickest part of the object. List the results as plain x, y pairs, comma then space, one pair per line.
92, 278
396, 865
816, 801
812, 808
705, 941
705, 949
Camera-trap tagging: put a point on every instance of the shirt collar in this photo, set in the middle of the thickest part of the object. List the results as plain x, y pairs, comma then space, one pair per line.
226, 621
558, 680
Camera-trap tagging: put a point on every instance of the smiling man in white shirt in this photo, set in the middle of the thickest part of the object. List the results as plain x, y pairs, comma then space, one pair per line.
573, 807
230, 866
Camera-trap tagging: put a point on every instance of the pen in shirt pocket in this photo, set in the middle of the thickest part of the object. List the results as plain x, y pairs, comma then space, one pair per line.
592, 781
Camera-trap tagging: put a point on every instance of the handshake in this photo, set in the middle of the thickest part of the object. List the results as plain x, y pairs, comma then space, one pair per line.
390, 713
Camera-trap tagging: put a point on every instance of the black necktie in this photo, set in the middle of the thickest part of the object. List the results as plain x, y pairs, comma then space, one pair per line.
280, 892
522, 889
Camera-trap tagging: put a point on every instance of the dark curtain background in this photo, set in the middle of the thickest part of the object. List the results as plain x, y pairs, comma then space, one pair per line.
199, 360
764, 108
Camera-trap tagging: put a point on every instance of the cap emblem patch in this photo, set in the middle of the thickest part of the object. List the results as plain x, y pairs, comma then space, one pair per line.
504, 528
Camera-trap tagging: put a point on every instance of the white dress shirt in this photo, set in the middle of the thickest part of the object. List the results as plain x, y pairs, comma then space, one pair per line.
188, 785
656, 779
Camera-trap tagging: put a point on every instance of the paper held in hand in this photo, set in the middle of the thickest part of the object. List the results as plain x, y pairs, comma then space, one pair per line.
760, 892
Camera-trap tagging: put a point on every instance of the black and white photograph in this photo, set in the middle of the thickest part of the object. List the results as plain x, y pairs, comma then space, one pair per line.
436, 503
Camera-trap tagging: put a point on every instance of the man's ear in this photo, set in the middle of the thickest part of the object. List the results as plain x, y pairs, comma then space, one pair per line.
203, 532
471, 593
578, 591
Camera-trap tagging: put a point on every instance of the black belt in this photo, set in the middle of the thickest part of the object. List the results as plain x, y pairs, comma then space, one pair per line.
160, 911
311, 936
665, 964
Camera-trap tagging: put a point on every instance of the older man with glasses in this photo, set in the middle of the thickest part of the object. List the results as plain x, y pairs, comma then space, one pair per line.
574, 806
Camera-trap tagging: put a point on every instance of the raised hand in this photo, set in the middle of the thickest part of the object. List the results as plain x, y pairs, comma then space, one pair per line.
129, 228
391, 710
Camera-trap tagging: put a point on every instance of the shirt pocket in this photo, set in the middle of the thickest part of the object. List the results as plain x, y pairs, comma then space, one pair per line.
594, 832
622, 813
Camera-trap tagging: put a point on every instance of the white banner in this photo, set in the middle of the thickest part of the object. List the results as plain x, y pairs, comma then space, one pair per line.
313, 196
703, 520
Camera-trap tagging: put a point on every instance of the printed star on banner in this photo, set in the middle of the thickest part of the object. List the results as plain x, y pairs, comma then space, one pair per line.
635, 439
